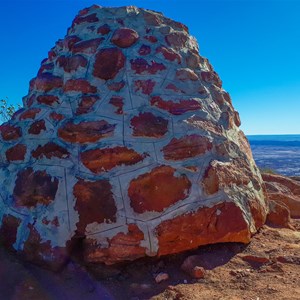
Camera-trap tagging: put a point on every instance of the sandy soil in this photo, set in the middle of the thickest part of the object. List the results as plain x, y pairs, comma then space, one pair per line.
267, 268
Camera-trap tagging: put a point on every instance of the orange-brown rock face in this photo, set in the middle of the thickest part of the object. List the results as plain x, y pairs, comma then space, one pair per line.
85, 132
121, 247
149, 125
127, 142
102, 160
283, 190
186, 147
157, 190
216, 224
94, 203
33, 188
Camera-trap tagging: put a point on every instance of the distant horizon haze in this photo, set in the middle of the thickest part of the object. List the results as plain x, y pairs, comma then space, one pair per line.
253, 45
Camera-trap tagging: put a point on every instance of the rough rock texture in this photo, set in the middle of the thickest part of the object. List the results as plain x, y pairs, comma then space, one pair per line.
283, 190
128, 143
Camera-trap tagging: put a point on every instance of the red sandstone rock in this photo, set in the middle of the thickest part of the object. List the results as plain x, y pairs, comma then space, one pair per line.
42, 252
197, 122
70, 40
149, 125
186, 147
72, 63
174, 88
37, 127
211, 77
47, 99
56, 117
157, 190
116, 86
145, 86
87, 47
46, 67
16, 152
108, 63
85, 132
9, 230
86, 104
79, 85
144, 50
285, 190
122, 247
186, 74
141, 66
46, 82
94, 203
29, 113
220, 174
104, 29
118, 102
193, 60
50, 150
279, 214
215, 224
177, 40
176, 108
34, 187
124, 37
82, 19
169, 54
103, 160
10, 132
151, 38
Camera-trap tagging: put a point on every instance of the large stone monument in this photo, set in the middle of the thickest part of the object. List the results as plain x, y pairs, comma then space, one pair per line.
127, 147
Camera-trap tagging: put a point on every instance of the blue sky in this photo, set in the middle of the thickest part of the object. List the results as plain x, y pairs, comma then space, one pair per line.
253, 45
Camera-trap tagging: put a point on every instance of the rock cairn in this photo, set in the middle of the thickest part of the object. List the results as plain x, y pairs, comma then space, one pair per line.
127, 145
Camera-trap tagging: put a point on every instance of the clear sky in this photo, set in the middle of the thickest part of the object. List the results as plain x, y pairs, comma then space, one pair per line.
253, 45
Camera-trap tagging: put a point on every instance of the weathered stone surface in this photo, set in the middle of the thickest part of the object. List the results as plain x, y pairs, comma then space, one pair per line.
176, 108
37, 127
9, 230
141, 66
16, 152
47, 99
94, 203
157, 190
186, 147
46, 82
279, 214
86, 104
149, 125
128, 143
103, 160
10, 132
34, 187
283, 190
50, 150
108, 63
145, 86
85, 132
29, 113
117, 102
72, 63
124, 37
79, 85
42, 252
216, 224
87, 47
121, 247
